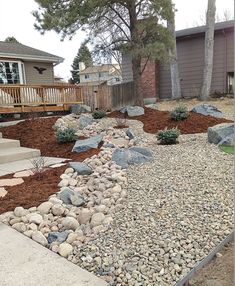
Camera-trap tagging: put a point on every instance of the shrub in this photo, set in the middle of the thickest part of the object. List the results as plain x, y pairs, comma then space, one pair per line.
66, 135
179, 113
98, 114
168, 136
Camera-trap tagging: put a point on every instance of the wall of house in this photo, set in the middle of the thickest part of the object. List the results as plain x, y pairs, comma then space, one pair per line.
94, 77
33, 76
191, 62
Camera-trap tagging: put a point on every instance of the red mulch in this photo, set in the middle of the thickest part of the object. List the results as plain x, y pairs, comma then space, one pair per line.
155, 120
38, 134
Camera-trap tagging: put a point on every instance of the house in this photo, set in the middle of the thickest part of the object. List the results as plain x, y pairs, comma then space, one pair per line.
156, 81
20, 64
94, 75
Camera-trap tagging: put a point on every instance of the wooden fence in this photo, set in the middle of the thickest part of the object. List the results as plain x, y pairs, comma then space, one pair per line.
108, 97
28, 98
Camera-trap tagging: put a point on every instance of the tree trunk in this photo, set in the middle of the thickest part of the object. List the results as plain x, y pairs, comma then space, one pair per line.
209, 47
175, 79
136, 59
136, 70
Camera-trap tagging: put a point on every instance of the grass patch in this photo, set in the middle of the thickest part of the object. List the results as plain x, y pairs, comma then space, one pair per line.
227, 149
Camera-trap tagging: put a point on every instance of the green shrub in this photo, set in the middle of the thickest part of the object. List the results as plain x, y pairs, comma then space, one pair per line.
98, 114
168, 136
179, 113
66, 135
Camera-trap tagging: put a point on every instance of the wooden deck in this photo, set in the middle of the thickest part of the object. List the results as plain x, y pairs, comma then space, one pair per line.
38, 98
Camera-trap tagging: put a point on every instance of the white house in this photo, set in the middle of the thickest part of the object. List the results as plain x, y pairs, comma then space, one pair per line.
109, 73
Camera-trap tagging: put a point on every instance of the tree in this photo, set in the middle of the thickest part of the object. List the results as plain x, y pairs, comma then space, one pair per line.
11, 40
209, 48
83, 55
175, 80
134, 27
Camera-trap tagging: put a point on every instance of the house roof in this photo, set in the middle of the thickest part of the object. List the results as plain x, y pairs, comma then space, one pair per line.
20, 51
96, 69
202, 29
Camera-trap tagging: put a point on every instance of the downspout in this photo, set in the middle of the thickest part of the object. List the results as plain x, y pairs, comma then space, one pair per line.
225, 77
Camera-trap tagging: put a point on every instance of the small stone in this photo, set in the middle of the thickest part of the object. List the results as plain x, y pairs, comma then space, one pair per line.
45, 207
57, 236
35, 218
65, 249
69, 170
19, 226
70, 223
20, 211
3, 192
55, 201
97, 219
39, 237
72, 237
84, 216
58, 210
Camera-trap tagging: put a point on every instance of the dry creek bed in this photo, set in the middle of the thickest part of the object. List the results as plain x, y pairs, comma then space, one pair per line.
152, 230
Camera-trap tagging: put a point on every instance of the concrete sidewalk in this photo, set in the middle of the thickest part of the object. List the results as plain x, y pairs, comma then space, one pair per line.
24, 262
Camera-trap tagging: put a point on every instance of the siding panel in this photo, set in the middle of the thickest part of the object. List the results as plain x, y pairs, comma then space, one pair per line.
33, 76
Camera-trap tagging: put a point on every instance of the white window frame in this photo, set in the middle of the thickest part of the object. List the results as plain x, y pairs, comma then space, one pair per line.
21, 68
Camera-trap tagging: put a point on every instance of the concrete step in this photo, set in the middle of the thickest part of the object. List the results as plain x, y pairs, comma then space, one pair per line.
8, 143
17, 153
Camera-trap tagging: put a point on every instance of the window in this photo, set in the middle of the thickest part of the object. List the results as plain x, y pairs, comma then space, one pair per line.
117, 79
230, 82
87, 76
101, 74
11, 72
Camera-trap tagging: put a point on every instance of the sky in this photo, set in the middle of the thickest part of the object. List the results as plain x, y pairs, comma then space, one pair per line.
16, 20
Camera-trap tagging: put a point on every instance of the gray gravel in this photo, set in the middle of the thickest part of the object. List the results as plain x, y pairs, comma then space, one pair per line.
177, 209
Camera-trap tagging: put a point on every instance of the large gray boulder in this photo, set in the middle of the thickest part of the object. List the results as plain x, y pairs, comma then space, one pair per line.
218, 133
81, 168
85, 120
207, 109
228, 140
69, 197
132, 110
78, 108
87, 144
132, 155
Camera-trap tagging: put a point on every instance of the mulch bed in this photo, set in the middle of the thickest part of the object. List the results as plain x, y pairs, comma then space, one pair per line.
155, 120
38, 133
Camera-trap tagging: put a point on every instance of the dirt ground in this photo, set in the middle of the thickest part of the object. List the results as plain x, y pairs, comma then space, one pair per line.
226, 105
219, 272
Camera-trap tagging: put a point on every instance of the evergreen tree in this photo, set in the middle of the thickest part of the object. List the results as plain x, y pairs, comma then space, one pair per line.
83, 55
134, 27
11, 40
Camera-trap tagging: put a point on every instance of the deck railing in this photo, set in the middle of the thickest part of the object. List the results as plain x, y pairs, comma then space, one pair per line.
28, 98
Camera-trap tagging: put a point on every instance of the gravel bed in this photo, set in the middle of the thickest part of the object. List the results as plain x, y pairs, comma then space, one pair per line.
178, 208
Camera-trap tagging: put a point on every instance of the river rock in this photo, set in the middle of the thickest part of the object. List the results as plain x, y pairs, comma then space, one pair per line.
70, 223
97, 219
85, 120
84, 216
57, 236
39, 237
65, 249
35, 218
45, 207
20, 211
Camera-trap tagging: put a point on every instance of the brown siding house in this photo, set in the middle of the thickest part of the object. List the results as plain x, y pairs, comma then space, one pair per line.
190, 50
20, 64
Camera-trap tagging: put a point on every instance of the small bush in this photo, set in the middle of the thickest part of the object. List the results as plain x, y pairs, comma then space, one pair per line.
98, 114
66, 135
168, 136
179, 113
